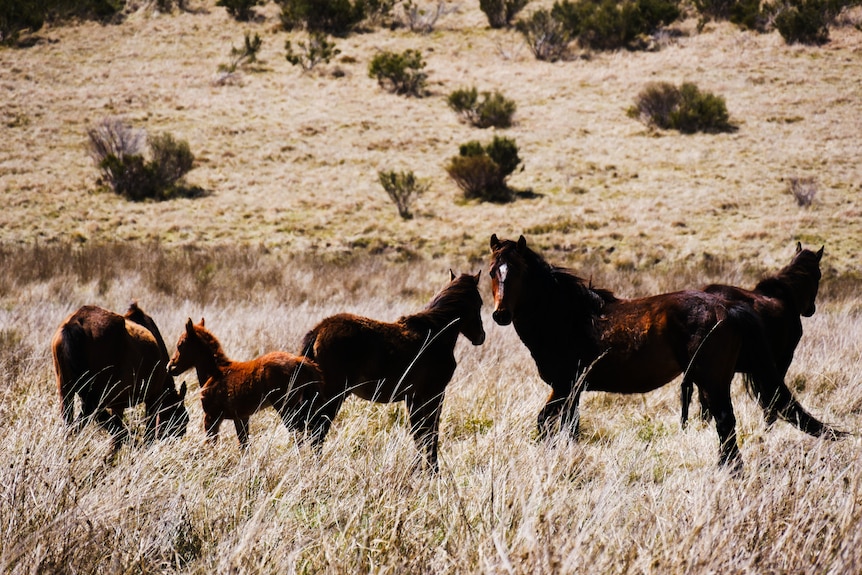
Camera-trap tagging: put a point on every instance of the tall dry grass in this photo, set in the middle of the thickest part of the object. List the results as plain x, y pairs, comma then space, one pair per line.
634, 495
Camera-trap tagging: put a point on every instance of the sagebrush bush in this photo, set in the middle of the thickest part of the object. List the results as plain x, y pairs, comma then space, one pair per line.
684, 108
610, 25
744, 13
423, 19
402, 188
240, 9
17, 16
481, 171
545, 35
494, 110
309, 54
501, 13
805, 21
244, 55
117, 150
337, 17
399, 73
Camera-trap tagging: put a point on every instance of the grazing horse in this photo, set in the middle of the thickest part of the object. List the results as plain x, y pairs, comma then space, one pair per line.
412, 359
586, 338
779, 300
237, 389
112, 362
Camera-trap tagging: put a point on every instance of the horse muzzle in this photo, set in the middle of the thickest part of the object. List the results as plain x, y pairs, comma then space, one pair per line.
502, 316
478, 340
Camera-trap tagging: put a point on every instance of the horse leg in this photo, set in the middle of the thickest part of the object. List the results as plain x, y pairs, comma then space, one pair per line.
685, 392
113, 423
725, 424
561, 408
211, 426
321, 414
241, 426
424, 413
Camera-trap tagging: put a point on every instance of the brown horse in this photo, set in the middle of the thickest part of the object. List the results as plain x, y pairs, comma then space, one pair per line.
113, 362
412, 359
237, 389
585, 338
779, 300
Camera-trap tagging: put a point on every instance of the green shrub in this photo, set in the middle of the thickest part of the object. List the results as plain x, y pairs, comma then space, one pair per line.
399, 73
610, 25
239, 9
744, 13
545, 35
804, 21
500, 13
684, 108
495, 110
318, 49
337, 17
402, 188
117, 151
481, 171
17, 16
247, 54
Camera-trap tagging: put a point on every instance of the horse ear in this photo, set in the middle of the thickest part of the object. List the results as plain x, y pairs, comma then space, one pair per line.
183, 391
522, 243
202, 322
798, 247
495, 243
820, 253
190, 326
451, 274
477, 276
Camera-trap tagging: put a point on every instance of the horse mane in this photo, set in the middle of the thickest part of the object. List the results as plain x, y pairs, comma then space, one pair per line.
439, 310
801, 274
213, 344
140, 317
567, 280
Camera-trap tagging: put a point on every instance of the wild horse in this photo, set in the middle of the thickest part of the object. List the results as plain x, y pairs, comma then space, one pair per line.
237, 389
411, 359
583, 338
779, 300
112, 362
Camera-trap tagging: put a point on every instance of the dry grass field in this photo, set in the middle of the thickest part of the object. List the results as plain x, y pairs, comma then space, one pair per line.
294, 226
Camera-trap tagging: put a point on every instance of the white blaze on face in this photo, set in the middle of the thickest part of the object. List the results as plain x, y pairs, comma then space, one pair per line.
502, 272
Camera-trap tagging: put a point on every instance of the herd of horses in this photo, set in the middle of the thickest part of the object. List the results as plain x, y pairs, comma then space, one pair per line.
580, 337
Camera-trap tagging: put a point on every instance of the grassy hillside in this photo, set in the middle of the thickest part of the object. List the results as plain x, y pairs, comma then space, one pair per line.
290, 160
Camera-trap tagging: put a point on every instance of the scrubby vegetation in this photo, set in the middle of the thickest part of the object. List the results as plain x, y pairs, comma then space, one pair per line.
611, 25
338, 17
245, 55
21, 16
312, 52
545, 35
481, 170
399, 73
240, 9
493, 111
501, 13
117, 149
402, 188
684, 108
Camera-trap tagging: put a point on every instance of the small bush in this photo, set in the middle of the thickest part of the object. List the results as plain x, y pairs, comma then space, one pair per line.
481, 171
744, 13
683, 108
247, 54
803, 190
337, 17
545, 35
240, 9
399, 73
805, 21
28, 16
610, 25
117, 150
318, 49
402, 188
500, 13
495, 110
423, 20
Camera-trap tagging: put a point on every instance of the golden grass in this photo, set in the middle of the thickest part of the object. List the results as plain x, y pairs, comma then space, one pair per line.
291, 159
634, 495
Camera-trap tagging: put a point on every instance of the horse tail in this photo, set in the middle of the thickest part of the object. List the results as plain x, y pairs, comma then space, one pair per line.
308, 344
69, 351
764, 382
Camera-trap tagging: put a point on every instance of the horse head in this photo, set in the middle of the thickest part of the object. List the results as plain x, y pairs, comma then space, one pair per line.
506, 271
467, 286
189, 348
806, 277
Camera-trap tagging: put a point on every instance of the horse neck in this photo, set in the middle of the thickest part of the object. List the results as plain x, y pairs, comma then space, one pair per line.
440, 320
211, 361
791, 286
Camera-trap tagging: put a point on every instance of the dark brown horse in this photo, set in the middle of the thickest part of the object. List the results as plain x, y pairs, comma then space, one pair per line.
237, 389
585, 338
113, 362
412, 359
779, 300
